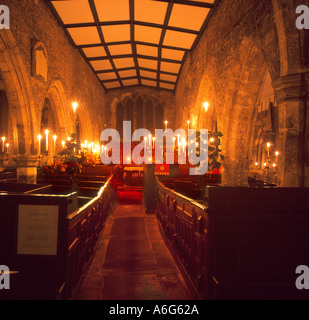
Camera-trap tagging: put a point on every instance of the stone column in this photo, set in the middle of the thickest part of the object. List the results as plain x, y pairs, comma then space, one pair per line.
27, 169
292, 98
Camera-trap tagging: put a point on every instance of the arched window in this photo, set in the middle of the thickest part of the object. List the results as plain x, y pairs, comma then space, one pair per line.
143, 112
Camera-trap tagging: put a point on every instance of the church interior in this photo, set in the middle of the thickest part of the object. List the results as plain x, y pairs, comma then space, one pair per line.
78, 223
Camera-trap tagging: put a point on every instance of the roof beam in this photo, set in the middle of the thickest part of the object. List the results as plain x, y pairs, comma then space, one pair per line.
133, 23
132, 28
96, 19
189, 3
166, 21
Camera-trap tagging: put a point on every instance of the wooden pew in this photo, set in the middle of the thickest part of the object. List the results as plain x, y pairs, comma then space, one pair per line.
24, 188
50, 266
244, 243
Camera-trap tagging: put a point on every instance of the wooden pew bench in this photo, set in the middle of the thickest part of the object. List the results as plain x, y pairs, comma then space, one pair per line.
244, 243
49, 240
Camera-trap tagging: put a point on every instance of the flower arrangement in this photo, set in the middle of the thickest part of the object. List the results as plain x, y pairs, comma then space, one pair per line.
73, 162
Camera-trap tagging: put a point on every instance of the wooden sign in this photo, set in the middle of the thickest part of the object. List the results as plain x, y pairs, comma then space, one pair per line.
37, 230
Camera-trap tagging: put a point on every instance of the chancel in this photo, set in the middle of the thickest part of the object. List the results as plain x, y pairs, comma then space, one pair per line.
205, 196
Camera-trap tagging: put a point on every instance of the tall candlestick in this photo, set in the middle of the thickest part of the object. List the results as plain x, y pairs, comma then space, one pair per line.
63, 144
150, 138
40, 138
153, 142
277, 155
166, 122
268, 147
46, 132
7, 148
206, 106
3, 140
55, 138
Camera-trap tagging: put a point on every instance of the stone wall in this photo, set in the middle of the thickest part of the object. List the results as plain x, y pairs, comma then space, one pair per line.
67, 77
37, 61
242, 42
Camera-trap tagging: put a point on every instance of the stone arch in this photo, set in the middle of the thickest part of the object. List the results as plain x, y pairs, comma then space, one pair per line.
206, 93
58, 103
242, 116
18, 90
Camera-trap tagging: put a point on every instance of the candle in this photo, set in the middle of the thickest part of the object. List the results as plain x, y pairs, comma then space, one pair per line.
174, 142
39, 137
184, 144
268, 146
277, 155
63, 144
188, 122
55, 138
3, 139
74, 105
153, 142
46, 132
166, 122
206, 106
7, 148
150, 138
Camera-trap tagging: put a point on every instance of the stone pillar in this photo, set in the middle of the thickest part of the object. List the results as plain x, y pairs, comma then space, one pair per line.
292, 98
26, 169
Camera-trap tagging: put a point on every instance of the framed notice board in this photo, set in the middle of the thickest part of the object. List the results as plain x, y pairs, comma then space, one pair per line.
37, 230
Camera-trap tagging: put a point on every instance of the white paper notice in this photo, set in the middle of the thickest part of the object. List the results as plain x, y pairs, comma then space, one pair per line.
37, 230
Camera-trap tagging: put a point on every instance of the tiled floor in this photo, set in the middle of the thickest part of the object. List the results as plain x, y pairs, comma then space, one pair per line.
132, 261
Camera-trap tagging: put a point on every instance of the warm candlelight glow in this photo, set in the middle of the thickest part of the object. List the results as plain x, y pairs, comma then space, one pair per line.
63, 144
206, 106
75, 106
40, 138
3, 140
166, 123
55, 138
268, 147
7, 148
46, 132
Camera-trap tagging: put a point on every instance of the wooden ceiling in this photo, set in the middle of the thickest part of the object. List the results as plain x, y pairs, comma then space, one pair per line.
134, 42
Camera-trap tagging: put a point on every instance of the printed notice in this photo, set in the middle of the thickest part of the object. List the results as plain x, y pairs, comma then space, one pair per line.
37, 230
